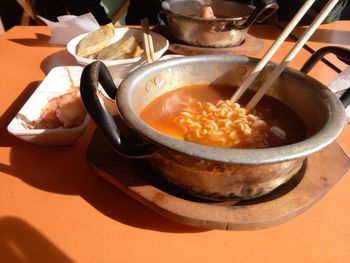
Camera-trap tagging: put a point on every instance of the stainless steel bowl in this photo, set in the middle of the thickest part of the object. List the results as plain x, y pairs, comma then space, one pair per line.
213, 172
227, 30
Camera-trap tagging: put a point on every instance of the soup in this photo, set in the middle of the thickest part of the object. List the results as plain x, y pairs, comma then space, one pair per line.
203, 114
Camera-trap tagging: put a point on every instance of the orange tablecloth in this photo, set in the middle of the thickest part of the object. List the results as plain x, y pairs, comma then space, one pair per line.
335, 34
53, 208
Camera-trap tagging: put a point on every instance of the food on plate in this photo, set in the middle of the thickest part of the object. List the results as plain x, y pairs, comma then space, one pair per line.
96, 45
206, 12
204, 114
95, 41
127, 47
63, 111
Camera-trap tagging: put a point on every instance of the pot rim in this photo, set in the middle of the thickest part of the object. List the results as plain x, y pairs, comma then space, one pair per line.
331, 130
206, 20
167, 11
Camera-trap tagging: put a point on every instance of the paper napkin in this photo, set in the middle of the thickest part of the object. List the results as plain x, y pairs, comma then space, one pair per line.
70, 26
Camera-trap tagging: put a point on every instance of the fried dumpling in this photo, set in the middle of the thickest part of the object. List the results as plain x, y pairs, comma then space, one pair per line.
95, 41
137, 52
127, 47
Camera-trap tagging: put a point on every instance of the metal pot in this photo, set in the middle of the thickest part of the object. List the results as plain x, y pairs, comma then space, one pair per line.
213, 172
227, 30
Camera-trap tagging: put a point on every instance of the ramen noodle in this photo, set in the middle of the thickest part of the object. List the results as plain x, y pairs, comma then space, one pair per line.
204, 114
224, 124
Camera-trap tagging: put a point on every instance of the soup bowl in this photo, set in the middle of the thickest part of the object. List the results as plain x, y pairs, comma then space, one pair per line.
212, 172
227, 29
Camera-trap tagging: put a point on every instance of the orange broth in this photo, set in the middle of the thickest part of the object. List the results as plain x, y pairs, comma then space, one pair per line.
162, 112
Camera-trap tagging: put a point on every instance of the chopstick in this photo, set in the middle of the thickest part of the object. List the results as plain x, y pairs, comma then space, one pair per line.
292, 53
291, 25
148, 41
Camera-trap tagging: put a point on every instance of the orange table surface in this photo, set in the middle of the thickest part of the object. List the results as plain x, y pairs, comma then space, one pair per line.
53, 208
333, 34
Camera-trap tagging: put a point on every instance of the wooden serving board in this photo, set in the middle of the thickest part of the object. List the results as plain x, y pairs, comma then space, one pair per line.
319, 174
250, 46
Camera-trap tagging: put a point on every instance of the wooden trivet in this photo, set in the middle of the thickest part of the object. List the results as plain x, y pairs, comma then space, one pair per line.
250, 46
319, 174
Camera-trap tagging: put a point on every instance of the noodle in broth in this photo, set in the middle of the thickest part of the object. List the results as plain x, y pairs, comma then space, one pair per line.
204, 114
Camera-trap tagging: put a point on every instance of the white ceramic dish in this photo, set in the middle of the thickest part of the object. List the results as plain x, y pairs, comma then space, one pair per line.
60, 80
160, 43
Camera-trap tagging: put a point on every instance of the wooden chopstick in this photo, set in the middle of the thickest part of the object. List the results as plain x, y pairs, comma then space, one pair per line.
148, 41
292, 53
272, 50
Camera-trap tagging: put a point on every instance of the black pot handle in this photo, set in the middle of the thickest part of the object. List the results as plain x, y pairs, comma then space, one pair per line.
342, 54
92, 75
263, 10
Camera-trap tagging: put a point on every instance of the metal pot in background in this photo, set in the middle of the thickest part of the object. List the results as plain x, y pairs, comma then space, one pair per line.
212, 172
228, 29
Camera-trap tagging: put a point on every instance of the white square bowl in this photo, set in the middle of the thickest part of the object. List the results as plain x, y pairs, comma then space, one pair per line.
59, 81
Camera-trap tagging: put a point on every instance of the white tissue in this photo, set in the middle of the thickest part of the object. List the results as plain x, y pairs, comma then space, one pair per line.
339, 85
70, 26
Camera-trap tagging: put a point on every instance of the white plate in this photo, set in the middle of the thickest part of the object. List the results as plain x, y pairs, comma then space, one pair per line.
60, 80
160, 43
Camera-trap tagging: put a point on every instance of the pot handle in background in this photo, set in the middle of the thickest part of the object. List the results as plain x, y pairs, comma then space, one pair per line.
92, 75
263, 10
342, 54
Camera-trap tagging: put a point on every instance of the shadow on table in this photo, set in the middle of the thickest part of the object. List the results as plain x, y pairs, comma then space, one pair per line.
41, 40
60, 58
57, 59
322, 35
64, 170
342, 37
20, 243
